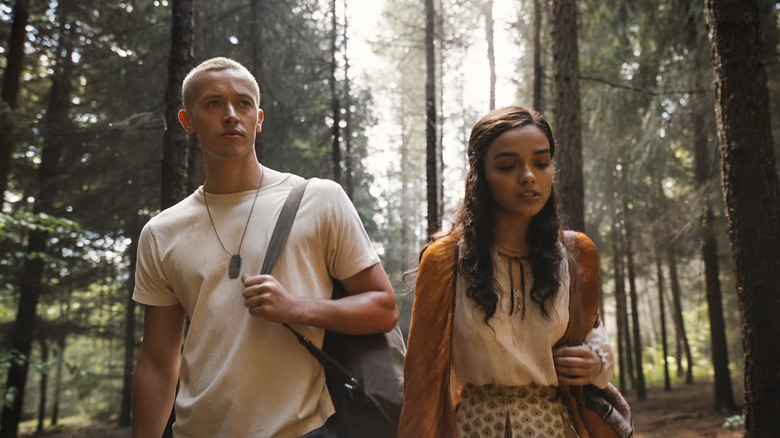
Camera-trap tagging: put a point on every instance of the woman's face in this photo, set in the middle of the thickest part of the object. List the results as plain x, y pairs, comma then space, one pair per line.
519, 173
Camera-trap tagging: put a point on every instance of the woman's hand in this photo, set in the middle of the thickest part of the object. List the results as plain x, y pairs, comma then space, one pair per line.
577, 365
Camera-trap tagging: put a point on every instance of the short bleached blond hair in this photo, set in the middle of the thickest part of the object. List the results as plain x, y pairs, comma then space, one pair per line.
190, 82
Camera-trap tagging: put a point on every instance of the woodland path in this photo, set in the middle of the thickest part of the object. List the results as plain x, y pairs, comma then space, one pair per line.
684, 412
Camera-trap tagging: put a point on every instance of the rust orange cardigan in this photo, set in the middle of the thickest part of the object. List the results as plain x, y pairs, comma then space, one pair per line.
428, 408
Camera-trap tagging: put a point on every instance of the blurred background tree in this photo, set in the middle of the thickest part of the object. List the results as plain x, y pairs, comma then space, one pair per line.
83, 122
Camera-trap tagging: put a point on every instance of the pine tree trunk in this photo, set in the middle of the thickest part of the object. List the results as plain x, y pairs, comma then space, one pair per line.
641, 390
42, 386
335, 101
724, 396
14, 60
537, 56
55, 405
662, 317
620, 308
567, 111
259, 8
491, 53
438, 56
56, 135
349, 170
752, 196
130, 338
432, 172
175, 160
683, 346
661, 238
175, 143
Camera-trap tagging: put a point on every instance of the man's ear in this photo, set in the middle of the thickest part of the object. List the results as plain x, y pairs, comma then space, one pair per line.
260, 117
186, 123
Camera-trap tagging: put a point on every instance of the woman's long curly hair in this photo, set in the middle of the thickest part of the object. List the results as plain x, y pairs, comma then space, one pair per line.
474, 223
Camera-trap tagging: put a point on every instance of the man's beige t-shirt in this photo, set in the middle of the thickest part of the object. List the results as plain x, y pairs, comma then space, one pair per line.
243, 376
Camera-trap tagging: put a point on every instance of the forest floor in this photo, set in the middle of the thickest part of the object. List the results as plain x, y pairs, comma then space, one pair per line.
684, 412
687, 411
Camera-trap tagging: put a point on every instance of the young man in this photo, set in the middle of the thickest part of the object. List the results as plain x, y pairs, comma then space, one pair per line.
241, 373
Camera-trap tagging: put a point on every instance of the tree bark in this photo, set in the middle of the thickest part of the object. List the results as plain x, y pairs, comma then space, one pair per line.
538, 67
431, 156
662, 317
56, 133
683, 346
15, 52
349, 170
752, 196
175, 145
259, 8
724, 395
42, 386
55, 405
335, 100
13, 71
641, 389
130, 338
196, 168
621, 313
491, 53
567, 111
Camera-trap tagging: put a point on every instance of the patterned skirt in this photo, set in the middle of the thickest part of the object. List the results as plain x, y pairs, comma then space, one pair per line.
495, 411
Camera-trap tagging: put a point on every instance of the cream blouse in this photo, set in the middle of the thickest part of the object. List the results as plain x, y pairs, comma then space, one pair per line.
515, 347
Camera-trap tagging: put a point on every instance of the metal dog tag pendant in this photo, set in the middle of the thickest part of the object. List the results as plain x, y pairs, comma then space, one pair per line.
235, 266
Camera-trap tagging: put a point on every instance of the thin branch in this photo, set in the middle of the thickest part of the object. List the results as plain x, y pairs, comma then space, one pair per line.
645, 90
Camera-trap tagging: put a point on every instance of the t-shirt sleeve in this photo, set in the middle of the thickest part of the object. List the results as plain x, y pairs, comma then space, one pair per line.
151, 285
349, 248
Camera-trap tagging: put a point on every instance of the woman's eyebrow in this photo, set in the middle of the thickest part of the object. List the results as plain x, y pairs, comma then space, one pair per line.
514, 154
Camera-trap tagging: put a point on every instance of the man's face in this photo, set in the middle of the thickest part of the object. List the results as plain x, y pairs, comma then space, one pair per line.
225, 114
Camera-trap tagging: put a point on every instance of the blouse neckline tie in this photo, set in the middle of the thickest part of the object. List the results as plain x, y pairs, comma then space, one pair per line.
515, 260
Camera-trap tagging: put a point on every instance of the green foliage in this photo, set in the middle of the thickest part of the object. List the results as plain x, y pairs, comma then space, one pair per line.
735, 422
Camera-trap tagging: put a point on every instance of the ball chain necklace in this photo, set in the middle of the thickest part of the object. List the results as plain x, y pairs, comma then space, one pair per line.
234, 268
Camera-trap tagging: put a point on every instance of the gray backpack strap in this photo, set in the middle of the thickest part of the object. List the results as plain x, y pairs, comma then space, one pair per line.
278, 240
283, 225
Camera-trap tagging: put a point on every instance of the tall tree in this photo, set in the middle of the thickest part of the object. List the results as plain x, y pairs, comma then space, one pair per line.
175, 143
125, 409
431, 156
566, 111
175, 159
57, 130
349, 170
14, 62
623, 341
724, 395
259, 11
694, 41
538, 98
752, 196
335, 98
659, 212
628, 217
491, 52
662, 317
681, 336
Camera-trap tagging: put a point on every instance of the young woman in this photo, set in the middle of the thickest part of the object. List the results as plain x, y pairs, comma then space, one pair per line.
487, 353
